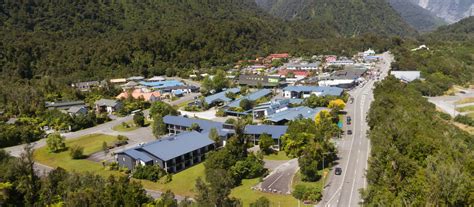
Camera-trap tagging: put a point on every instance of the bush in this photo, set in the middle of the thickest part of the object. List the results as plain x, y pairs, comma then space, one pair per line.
261, 202
76, 152
444, 116
303, 192
139, 119
148, 172
464, 120
265, 143
55, 143
220, 113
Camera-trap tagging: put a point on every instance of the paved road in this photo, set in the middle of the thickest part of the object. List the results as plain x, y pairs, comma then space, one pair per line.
280, 179
343, 190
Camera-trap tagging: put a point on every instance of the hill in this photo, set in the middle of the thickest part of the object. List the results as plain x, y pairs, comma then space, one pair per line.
460, 31
449, 10
418, 17
346, 18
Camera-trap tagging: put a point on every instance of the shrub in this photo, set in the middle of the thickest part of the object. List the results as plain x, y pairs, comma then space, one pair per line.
265, 143
261, 202
148, 172
302, 192
55, 142
220, 113
76, 152
464, 120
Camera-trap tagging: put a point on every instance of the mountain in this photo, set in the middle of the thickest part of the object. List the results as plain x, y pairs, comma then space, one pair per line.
347, 18
415, 15
449, 10
459, 31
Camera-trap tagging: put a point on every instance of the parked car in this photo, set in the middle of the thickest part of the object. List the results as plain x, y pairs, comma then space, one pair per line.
338, 171
349, 132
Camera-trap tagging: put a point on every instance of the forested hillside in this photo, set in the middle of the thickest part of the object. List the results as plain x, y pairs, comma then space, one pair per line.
415, 15
346, 18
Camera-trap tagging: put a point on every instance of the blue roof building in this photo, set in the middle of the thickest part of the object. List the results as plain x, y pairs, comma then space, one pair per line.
162, 84
173, 153
220, 97
306, 91
251, 97
274, 131
294, 113
177, 124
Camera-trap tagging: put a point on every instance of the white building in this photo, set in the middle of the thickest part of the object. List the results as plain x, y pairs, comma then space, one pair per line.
406, 76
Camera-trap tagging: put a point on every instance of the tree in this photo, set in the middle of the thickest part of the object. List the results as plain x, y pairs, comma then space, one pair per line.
220, 81
55, 142
265, 143
195, 127
323, 117
309, 162
139, 119
250, 167
148, 172
167, 199
76, 152
105, 147
214, 135
337, 105
261, 202
246, 104
162, 108
158, 126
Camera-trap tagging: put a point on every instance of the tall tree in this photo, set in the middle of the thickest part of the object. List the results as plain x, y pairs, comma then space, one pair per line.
55, 142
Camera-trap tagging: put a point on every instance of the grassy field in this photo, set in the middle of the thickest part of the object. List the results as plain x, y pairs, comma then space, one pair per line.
465, 100
91, 143
182, 184
247, 195
281, 155
131, 126
465, 108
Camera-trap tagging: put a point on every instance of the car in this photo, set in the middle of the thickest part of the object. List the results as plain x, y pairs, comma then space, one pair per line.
348, 119
338, 171
349, 132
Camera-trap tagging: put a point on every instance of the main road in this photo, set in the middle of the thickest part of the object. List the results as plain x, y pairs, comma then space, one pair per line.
343, 190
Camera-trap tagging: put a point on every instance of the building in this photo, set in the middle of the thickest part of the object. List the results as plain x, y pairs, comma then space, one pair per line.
330, 58
156, 78
118, 80
86, 86
251, 97
294, 113
173, 153
264, 110
274, 131
220, 97
77, 110
161, 85
406, 76
63, 105
306, 91
303, 66
107, 105
259, 80
178, 124
369, 52
278, 56
346, 78
300, 74
136, 78
143, 93
129, 85
340, 63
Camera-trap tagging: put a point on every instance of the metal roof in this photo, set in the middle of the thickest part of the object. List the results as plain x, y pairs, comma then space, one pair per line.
273, 130
205, 125
161, 84
294, 113
177, 145
332, 91
221, 96
137, 155
64, 103
107, 102
251, 97
407, 76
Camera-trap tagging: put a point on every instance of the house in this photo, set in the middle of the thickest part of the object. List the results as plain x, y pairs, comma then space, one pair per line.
145, 94
294, 113
340, 63
300, 74
178, 124
63, 105
173, 153
274, 131
107, 105
258, 80
77, 110
136, 78
251, 97
330, 58
277, 56
406, 76
369, 52
86, 86
264, 110
220, 97
346, 78
156, 79
162, 84
118, 80
303, 66
306, 91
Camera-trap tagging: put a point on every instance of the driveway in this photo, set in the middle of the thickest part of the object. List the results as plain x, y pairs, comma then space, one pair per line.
280, 179
209, 114
448, 103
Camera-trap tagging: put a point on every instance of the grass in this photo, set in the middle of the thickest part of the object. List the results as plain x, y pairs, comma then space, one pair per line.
132, 126
245, 193
183, 183
318, 184
465, 100
465, 108
471, 115
91, 143
281, 155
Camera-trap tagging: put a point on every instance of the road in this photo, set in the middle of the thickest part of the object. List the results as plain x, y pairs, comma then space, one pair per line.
343, 190
280, 179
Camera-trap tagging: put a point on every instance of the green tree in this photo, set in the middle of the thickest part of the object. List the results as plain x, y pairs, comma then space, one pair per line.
167, 199
55, 142
158, 126
214, 135
261, 202
76, 152
139, 119
105, 147
265, 143
246, 104
162, 108
310, 161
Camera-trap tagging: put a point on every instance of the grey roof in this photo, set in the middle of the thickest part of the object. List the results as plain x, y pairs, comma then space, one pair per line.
255, 80
86, 84
407, 76
76, 109
294, 113
221, 96
107, 102
251, 97
177, 145
315, 64
351, 73
63, 104
137, 155
274, 131
12, 120
136, 78
331, 91
205, 125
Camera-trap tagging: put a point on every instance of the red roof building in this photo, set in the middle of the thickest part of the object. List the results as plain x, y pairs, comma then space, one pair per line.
297, 73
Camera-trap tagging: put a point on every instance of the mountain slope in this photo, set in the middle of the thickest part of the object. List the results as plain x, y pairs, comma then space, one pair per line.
450, 10
346, 17
416, 16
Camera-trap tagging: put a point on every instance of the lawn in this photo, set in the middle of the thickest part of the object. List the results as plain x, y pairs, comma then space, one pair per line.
91, 143
281, 155
465, 100
465, 108
318, 184
131, 126
182, 184
245, 193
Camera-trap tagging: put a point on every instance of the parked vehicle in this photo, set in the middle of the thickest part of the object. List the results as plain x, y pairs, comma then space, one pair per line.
338, 171
349, 132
